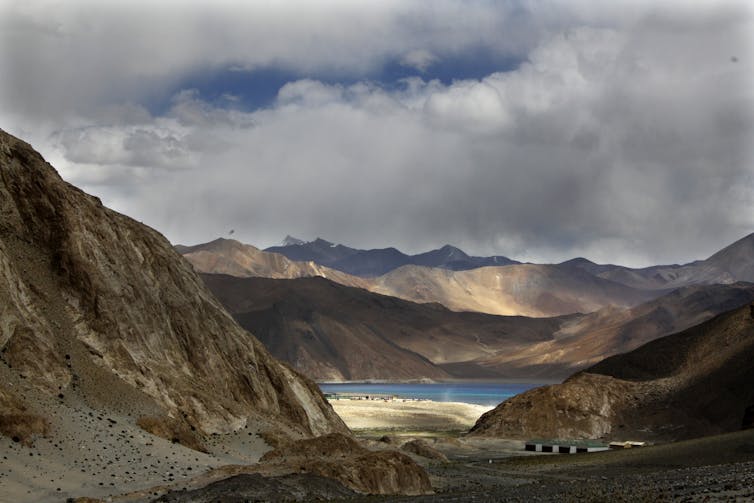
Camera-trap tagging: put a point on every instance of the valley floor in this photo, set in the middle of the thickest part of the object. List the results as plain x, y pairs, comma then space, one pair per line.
407, 415
719, 468
100, 456
490, 470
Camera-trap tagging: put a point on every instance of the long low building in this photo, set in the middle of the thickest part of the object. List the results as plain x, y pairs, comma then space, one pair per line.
628, 444
565, 446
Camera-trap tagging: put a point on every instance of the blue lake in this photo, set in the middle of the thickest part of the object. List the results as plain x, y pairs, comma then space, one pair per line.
477, 393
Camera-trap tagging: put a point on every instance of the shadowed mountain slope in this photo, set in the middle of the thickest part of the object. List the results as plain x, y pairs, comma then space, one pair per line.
319, 251
693, 383
99, 308
586, 340
333, 332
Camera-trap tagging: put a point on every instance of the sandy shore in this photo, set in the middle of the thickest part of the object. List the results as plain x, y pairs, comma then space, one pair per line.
413, 415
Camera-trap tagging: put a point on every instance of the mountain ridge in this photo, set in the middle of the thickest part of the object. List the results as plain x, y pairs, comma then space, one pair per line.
336, 333
379, 261
724, 266
692, 383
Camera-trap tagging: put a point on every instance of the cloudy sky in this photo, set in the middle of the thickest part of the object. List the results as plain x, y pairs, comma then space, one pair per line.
540, 130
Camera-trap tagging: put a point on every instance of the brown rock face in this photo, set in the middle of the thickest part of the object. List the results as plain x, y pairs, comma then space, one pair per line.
339, 457
693, 383
94, 302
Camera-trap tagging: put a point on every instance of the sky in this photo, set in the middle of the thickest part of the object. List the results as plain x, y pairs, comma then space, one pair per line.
541, 130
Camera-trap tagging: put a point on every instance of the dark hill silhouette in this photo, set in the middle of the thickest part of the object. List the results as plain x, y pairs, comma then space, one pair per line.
376, 262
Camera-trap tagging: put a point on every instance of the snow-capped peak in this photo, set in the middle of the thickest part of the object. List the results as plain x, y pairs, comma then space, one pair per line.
291, 241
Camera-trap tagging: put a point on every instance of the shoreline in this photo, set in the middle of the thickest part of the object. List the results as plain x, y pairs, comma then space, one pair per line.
399, 414
539, 382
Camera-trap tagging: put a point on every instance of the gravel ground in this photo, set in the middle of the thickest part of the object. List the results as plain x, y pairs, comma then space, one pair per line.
708, 469
717, 468
700, 484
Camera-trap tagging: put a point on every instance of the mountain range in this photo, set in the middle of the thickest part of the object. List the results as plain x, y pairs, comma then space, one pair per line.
516, 289
376, 262
331, 332
346, 327
227, 256
541, 290
730, 264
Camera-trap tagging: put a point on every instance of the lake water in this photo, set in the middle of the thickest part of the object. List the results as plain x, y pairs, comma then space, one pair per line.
477, 393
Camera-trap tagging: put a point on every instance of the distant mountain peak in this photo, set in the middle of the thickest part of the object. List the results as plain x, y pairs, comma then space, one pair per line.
323, 242
453, 252
292, 241
578, 261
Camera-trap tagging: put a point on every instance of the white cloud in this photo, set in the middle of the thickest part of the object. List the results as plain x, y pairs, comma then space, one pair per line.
626, 142
419, 59
97, 52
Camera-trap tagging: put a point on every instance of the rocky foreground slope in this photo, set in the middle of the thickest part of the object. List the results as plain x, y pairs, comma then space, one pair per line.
693, 383
87, 290
108, 338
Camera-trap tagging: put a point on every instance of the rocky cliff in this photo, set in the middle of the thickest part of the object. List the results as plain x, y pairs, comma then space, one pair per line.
689, 384
95, 304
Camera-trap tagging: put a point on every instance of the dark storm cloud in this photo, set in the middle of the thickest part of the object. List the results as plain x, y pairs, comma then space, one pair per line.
624, 136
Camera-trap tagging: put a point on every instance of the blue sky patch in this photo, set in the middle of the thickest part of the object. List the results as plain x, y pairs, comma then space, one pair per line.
258, 88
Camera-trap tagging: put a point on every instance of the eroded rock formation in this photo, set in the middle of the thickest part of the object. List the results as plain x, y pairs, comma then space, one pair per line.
97, 304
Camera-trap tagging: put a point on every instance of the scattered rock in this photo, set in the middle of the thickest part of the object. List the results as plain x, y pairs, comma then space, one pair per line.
171, 429
390, 440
